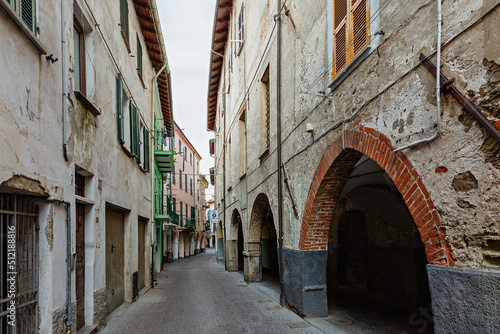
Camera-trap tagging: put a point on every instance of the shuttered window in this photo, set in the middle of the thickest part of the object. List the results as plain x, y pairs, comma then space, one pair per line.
119, 108
146, 148
173, 177
139, 56
351, 25
26, 9
180, 179
186, 181
190, 186
134, 131
124, 18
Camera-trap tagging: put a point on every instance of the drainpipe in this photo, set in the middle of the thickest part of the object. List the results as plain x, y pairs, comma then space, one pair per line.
152, 167
63, 65
68, 259
278, 113
438, 86
224, 188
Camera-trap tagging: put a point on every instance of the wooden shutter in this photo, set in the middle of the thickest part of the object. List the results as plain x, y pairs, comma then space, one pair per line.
139, 55
119, 108
351, 31
131, 110
124, 17
28, 13
146, 149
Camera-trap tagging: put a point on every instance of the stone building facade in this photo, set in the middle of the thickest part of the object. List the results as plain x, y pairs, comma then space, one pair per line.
76, 121
388, 187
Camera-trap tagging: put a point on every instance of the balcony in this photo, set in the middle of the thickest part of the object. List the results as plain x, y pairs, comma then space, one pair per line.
164, 213
190, 223
164, 157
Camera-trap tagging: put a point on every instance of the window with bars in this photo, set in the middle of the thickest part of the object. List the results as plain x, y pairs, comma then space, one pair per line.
351, 32
124, 19
139, 56
26, 9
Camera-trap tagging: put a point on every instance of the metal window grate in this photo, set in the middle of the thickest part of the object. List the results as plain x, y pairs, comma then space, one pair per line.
22, 214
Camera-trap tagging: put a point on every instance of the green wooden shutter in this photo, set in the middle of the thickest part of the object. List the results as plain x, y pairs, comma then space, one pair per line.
124, 17
119, 108
132, 121
191, 186
139, 55
180, 179
28, 13
146, 149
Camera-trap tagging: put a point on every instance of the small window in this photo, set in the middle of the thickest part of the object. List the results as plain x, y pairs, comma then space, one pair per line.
26, 9
351, 32
124, 19
180, 146
241, 28
79, 185
173, 179
139, 56
79, 57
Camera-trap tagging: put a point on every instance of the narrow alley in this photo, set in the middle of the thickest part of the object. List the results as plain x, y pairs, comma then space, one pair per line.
196, 295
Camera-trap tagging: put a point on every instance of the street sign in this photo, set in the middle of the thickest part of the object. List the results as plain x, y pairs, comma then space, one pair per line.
214, 216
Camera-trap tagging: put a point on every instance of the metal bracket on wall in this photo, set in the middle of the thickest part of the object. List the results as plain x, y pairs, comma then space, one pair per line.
471, 107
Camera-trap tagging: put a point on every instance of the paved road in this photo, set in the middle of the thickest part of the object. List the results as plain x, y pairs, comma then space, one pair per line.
196, 295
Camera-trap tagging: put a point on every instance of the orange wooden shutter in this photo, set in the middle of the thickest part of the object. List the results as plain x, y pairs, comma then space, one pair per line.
351, 31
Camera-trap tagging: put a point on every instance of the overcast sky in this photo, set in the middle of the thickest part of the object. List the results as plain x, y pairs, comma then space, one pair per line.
187, 29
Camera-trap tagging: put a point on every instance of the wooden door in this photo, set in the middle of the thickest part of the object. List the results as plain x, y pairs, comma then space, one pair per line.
115, 290
141, 253
80, 266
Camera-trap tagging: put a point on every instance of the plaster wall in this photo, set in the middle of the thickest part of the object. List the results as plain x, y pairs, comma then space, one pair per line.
31, 128
388, 91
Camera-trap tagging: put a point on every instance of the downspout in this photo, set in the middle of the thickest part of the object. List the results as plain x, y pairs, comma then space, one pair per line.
63, 65
68, 259
278, 113
224, 188
152, 167
438, 86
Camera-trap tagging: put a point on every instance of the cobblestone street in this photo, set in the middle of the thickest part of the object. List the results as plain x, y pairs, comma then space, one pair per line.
196, 295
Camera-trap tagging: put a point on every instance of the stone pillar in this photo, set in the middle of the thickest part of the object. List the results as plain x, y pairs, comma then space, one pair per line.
181, 245
463, 300
175, 245
304, 275
252, 267
220, 250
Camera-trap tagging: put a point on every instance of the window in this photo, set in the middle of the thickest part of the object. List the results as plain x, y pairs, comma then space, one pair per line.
265, 109
124, 19
134, 131
146, 140
186, 181
180, 146
26, 9
351, 32
186, 210
191, 186
180, 179
192, 212
181, 211
174, 201
191, 159
185, 153
119, 109
241, 28
139, 56
79, 57
242, 141
173, 177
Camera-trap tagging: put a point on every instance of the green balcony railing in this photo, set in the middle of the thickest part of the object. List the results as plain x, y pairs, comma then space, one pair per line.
164, 156
190, 223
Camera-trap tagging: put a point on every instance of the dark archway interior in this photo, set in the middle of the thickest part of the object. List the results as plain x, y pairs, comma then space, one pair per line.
269, 247
240, 243
376, 260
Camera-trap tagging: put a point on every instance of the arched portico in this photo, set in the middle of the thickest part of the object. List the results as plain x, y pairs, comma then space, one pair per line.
329, 180
234, 251
262, 241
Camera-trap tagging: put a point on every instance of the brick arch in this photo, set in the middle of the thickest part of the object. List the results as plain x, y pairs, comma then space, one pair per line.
233, 229
336, 165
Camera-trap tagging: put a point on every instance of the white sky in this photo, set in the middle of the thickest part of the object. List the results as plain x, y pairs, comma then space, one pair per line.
187, 29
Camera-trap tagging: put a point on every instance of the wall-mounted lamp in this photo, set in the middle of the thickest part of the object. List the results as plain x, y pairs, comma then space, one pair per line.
309, 127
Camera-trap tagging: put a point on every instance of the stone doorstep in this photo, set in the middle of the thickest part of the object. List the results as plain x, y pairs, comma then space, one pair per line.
89, 329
